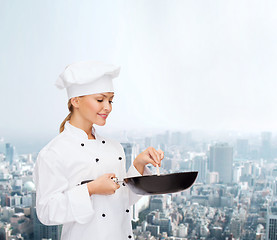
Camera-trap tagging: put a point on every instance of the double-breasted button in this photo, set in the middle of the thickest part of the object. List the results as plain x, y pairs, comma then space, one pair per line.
82, 144
97, 160
127, 210
120, 158
123, 184
103, 215
103, 141
129, 236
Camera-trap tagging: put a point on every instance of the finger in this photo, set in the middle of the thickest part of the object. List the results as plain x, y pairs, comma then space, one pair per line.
157, 154
161, 156
110, 175
149, 160
161, 153
116, 186
159, 164
154, 155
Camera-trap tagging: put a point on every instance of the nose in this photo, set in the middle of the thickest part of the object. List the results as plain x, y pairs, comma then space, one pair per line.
108, 106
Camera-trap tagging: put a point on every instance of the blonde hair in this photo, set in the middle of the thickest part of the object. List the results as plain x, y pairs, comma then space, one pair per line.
70, 108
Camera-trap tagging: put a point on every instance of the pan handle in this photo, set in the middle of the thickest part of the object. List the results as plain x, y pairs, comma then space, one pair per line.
86, 181
115, 179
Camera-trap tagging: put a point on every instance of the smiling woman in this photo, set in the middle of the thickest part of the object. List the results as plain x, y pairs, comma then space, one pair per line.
91, 109
98, 209
90, 99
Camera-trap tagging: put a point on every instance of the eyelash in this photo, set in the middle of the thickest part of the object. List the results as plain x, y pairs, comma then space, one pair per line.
102, 101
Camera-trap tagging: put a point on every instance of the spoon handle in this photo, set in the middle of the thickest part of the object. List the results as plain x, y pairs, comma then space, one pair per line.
158, 170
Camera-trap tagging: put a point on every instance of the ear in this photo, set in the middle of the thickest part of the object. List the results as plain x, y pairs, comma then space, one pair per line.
75, 101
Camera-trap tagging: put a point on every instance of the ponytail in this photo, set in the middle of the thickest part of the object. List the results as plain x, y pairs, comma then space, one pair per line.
70, 108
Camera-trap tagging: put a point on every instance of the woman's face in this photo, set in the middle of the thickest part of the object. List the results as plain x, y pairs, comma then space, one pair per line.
95, 108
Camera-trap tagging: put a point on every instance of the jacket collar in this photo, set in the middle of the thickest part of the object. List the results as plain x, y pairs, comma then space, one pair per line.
80, 132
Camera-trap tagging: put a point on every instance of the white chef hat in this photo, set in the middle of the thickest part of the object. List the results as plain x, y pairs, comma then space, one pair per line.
87, 77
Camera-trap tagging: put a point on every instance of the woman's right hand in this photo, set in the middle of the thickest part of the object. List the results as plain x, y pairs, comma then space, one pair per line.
103, 185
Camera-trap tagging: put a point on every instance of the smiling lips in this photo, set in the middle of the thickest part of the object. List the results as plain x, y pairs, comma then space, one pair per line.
103, 115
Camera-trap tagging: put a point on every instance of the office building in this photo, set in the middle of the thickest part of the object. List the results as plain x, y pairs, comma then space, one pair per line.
10, 151
242, 148
221, 161
131, 151
199, 163
271, 225
266, 145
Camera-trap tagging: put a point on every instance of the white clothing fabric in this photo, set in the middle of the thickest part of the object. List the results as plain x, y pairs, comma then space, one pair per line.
65, 162
87, 77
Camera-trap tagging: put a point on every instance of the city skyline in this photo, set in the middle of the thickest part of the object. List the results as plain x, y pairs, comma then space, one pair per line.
34, 144
215, 207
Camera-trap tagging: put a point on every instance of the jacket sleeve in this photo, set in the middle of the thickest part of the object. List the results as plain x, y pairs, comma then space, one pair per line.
55, 203
133, 172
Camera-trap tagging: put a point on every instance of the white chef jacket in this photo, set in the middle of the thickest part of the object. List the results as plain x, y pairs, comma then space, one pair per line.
66, 161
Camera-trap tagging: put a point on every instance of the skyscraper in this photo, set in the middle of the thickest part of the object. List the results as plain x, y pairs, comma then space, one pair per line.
10, 153
221, 161
266, 145
176, 138
131, 151
235, 227
271, 225
242, 148
199, 163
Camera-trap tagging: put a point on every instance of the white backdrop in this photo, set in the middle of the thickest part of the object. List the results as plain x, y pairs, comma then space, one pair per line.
185, 65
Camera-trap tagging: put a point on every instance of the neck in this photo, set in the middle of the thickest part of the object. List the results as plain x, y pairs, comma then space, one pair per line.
83, 124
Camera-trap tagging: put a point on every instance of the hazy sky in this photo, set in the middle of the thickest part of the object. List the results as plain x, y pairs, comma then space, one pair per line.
185, 65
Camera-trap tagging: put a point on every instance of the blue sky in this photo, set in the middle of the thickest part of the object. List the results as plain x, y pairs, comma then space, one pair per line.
208, 65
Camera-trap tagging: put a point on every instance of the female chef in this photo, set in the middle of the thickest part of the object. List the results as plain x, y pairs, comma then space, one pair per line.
99, 209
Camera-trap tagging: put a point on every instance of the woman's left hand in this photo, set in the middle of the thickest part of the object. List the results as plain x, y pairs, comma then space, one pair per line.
150, 155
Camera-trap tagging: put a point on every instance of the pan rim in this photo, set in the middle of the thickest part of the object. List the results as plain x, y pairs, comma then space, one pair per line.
163, 175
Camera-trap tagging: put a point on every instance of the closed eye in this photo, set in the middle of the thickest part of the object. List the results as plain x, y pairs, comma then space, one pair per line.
102, 101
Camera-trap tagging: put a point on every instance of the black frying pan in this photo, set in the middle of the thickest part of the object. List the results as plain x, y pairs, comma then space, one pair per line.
159, 184
167, 183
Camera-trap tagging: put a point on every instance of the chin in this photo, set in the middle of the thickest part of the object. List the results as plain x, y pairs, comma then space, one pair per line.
101, 123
